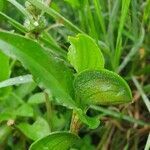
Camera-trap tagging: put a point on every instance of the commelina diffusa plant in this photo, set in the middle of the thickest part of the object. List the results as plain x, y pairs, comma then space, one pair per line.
77, 80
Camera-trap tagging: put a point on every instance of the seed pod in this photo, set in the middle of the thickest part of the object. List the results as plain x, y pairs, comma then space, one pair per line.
101, 87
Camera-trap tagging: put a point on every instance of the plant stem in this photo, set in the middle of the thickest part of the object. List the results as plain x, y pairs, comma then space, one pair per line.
75, 123
144, 97
118, 115
49, 109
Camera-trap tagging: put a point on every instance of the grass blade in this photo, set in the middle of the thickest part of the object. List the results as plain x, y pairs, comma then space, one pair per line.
118, 115
90, 21
100, 16
14, 23
124, 12
112, 20
20, 8
133, 51
16, 81
144, 97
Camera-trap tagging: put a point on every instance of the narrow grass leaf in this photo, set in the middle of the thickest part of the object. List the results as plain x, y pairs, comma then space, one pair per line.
113, 15
16, 81
119, 115
98, 9
124, 12
20, 8
14, 23
144, 97
90, 20
133, 51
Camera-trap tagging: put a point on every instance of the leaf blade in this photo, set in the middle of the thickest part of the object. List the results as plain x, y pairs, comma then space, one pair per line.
38, 129
84, 53
4, 72
51, 72
55, 141
101, 87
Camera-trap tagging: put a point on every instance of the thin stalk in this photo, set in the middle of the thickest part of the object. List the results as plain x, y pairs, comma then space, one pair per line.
144, 97
119, 115
104, 137
75, 123
49, 110
133, 51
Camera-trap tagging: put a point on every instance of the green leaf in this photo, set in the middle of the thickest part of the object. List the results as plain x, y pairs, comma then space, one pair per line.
25, 89
118, 115
84, 53
55, 141
74, 3
118, 50
98, 9
49, 71
4, 133
4, 72
16, 81
6, 116
14, 23
37, 98
2, 3
101, 87
38, 129
21, 8
25, 110
4, 65
92, 122
77, 3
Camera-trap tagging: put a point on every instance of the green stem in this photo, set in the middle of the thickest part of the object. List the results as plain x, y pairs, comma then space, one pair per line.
75, 123
143, 95
118, 115
49, 109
